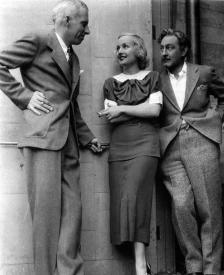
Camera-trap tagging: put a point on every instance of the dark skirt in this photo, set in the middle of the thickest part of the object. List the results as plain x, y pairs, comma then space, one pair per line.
131, 187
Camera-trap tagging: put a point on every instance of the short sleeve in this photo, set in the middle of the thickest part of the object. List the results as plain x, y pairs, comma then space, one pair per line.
156, 98
154, 82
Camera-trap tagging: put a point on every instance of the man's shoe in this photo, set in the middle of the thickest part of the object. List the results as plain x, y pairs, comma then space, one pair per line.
195, 273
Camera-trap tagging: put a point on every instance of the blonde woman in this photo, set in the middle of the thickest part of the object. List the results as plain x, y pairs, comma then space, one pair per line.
132, 106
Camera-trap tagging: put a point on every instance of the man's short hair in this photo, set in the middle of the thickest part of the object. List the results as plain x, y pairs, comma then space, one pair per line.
141, 49
64, 6
182, 38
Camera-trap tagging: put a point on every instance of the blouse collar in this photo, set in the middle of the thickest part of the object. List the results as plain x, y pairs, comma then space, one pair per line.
139, 76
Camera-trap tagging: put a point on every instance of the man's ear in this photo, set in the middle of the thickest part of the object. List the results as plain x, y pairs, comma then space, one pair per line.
184, 51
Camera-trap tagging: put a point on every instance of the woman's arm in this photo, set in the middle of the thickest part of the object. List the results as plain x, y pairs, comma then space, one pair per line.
115, 118
143, 110
122, 118
148, 109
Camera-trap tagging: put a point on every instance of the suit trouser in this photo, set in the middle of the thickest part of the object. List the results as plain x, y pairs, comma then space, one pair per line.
55, 203
191, 174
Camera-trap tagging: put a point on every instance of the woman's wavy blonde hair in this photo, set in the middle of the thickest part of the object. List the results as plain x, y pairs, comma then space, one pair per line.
141, 52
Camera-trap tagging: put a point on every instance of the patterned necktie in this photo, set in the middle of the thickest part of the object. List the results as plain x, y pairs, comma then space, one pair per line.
70, 55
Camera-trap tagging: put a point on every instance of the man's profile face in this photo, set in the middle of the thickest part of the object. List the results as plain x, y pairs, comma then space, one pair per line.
171, 53
77, 27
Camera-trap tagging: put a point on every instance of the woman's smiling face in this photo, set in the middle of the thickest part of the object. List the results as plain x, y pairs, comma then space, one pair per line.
126, 51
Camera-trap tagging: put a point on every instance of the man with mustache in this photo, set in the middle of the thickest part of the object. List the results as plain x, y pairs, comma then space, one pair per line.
53, 129
190, 136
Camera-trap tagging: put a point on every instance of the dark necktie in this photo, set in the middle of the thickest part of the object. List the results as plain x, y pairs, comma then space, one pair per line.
70, 54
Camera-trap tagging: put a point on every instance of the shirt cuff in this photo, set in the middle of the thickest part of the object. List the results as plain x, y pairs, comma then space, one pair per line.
109, 103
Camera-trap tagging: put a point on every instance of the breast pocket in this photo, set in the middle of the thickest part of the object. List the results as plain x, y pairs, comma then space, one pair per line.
202, 90
200, 96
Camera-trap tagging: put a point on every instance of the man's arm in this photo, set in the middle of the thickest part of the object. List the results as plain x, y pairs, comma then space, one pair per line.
85, 135
83, 132
216, 88
17, 55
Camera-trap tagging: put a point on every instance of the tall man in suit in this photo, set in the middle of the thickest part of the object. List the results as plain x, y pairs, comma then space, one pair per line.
190, 136
52, 132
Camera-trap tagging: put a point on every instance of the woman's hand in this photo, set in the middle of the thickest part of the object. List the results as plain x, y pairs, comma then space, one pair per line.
111, 112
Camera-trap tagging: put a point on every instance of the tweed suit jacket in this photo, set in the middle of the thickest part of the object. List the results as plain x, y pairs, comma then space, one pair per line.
44, 68
202, 81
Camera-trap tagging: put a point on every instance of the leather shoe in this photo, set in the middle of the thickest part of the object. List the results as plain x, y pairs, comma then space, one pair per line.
195, 273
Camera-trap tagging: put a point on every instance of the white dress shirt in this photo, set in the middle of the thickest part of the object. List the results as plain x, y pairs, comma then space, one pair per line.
178, 84
63, 45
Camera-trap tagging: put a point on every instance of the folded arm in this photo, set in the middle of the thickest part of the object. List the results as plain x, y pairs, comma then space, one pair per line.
125, 112
149, 109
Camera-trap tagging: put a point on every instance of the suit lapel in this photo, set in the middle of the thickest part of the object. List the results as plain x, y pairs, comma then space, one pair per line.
168, 90
192, 79
59, 57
